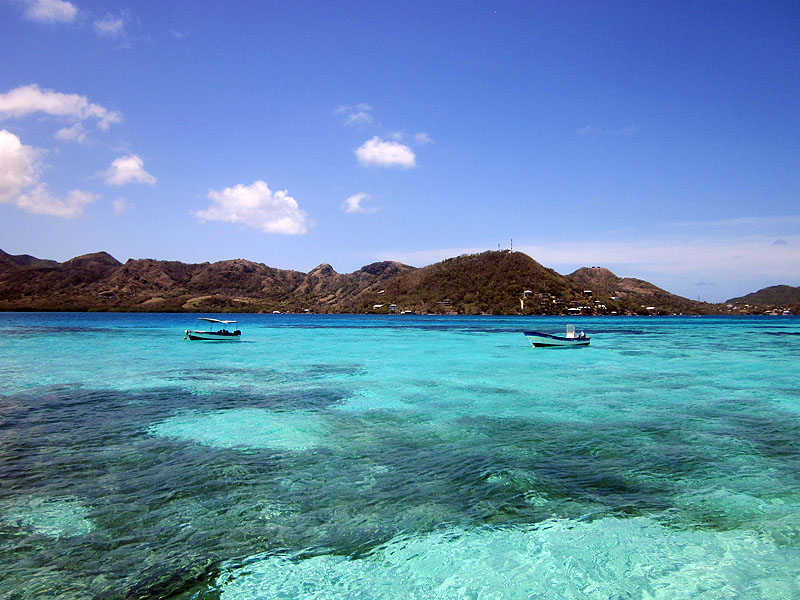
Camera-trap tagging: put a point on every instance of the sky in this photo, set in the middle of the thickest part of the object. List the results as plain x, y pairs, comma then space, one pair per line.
658, 139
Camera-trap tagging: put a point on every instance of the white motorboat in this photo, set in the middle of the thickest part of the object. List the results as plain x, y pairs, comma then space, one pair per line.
216, 330
545, 340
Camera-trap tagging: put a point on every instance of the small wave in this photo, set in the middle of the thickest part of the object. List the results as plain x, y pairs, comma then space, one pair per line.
605, 558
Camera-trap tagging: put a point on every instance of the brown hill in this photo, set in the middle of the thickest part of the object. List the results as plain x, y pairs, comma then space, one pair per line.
490, 282
228, 285
100, 282
23, 261
48, 285
773, 299
500, 282
95, 260
627, 294
775, 295
325, 290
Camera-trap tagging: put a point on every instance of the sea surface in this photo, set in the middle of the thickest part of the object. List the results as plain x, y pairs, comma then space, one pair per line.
399, 457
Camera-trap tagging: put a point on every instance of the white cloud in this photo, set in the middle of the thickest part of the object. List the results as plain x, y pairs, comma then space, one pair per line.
121, 205
74, 133
30, 99
354, 204
377, 152
420, 139
258, 207
109, 26
360, 114
17, 166
128, 169
41, 202
50, 11
18, 173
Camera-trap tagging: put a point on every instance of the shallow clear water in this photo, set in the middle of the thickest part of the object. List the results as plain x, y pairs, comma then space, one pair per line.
399, 457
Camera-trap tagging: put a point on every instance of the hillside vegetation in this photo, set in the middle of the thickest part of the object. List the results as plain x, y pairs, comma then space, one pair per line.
501, 282
776, 294
774, 297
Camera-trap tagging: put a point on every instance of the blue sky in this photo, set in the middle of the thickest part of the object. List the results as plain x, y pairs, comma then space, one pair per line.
660, 140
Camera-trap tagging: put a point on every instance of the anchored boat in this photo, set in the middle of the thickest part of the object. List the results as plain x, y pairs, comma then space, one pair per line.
543, 340
215, 330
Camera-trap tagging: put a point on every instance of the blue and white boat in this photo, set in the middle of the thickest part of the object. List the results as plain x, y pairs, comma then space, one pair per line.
217, 330
545, 340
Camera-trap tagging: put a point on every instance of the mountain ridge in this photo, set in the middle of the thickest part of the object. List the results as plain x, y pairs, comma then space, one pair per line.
492, 282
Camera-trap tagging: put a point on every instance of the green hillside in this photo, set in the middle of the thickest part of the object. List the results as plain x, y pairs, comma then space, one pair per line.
776, 298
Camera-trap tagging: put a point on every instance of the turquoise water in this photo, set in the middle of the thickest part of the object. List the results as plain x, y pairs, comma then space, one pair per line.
399, 457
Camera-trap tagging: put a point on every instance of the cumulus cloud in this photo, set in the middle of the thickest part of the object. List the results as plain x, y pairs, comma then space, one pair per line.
50, 11
359, 114
423, 138
258, 207
41, 202
109, 26
378, 152
354, 204
128, 169
18, 174
17, 166
29, 99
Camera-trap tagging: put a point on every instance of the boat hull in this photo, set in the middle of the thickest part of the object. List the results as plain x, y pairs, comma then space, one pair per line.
545, 340
216, 336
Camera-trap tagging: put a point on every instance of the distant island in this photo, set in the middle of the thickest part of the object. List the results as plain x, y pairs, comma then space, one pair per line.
494, 282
